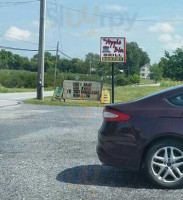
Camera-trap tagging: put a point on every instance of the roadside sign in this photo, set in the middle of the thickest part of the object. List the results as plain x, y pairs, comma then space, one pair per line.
105, 98
113, 49
82, 90
58, 93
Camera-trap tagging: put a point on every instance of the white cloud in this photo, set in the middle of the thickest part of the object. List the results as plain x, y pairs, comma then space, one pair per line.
162, 27
17, 33
177, 42
48, 24
115, 7
165, 38
171, 42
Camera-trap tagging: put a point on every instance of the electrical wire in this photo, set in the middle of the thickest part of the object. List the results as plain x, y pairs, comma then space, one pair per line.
22, 49
32, 50
58, 22
50, 22
18, 2
23, 41
4, 4
65, 54
34, 44
109, 17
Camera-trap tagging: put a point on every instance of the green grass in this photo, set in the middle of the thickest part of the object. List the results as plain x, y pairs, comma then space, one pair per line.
13, 90
48, 101
122, 94
146, 81
128, 93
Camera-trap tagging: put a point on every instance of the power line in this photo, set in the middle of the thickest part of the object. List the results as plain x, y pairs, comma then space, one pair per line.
50, 22
4, 4
32, 50
18, 2
22, 49
65, 54
18, 39
58, 21
23, 40
109, 17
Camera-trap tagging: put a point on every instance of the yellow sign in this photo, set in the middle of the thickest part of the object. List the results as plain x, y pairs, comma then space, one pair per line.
106, 97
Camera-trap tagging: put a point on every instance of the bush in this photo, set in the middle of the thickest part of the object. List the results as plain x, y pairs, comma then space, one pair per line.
26, 79
134, 79
121, 80
169, 83
18, 79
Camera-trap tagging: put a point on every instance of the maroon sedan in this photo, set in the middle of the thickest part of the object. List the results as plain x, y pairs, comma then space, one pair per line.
147, 132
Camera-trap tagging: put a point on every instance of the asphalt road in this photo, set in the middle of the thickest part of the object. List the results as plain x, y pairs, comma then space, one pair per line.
12, 99
49, 153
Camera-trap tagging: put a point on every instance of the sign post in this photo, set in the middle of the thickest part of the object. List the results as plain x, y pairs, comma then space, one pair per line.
112, 50
112, 82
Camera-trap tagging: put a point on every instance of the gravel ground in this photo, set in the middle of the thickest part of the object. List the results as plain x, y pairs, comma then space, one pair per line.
49, 153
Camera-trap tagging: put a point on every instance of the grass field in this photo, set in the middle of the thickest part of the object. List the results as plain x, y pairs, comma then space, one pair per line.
13, 90
122, 94
128, 93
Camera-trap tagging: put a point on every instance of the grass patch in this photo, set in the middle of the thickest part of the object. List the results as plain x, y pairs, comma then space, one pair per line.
48, 101
128, 93
146, 81
13, 90
122, 94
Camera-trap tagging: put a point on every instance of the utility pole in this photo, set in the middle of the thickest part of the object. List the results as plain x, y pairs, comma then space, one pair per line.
40, 83
56, 62
90, 67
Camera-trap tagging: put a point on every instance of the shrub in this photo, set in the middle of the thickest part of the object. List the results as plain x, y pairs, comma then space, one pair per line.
121, 80
169, 83
134, 79
26, 79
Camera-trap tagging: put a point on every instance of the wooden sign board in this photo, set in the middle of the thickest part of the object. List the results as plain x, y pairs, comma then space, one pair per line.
82, 90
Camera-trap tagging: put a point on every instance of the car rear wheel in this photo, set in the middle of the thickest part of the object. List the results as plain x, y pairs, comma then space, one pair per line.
164, 164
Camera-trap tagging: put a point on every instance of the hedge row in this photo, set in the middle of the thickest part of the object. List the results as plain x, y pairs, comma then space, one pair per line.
25, 79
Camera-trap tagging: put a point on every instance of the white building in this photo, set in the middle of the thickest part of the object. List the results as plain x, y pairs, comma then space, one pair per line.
145, 71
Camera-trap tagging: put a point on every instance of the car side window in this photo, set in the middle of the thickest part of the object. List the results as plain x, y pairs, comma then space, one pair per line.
176, 100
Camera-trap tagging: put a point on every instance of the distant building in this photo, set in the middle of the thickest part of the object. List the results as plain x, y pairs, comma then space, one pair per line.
145, 71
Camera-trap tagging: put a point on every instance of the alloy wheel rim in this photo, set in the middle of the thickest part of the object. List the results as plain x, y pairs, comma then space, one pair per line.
167, 164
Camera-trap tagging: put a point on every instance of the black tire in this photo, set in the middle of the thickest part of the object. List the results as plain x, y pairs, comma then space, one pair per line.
148, 160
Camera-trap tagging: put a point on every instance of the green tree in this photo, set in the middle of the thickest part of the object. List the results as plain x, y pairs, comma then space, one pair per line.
136, 58
172, 65
156, 73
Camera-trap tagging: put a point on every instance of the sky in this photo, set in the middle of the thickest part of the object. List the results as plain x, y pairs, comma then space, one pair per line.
154, 24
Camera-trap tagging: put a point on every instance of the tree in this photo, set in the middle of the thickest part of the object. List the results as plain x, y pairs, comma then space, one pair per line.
6, 59
156, 73
136, 58
92, 59
172, 65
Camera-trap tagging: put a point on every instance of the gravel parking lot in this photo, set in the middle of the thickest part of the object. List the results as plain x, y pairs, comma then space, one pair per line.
49, 153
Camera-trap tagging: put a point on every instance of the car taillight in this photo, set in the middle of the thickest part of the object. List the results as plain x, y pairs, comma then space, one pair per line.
112, 115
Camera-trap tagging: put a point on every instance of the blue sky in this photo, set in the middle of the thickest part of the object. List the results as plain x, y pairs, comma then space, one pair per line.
80, 33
